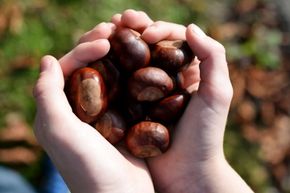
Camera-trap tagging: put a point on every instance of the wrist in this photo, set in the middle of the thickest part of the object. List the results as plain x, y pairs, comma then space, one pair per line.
210, 176
176, 172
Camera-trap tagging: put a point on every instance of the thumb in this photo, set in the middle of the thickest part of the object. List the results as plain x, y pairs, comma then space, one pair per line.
215, 81
48, 91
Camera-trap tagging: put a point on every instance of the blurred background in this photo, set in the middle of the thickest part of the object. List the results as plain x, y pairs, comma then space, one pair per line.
256, 34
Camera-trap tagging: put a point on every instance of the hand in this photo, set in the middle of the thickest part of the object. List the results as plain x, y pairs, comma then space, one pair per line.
197, 145
195, 161
85, 159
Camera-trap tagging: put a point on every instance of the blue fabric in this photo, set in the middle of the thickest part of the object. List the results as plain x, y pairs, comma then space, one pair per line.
12, 182
53, 182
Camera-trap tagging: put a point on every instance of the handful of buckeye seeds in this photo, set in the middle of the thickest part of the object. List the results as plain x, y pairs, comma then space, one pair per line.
136, 92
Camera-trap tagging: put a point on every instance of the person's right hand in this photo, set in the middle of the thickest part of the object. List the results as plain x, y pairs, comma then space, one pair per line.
195, 161
196, 152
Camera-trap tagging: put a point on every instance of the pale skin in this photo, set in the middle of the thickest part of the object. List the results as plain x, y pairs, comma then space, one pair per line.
195, 162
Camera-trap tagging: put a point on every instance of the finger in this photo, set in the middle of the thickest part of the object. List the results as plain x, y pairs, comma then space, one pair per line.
101, 31
66, 139
54, 113
49, 90
213, 67
189, 78
137, 20
161, 30
116, 19
83, 54
55, 119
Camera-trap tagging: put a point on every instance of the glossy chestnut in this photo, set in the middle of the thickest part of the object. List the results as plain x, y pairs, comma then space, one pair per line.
137, 88
111, 126
110, 74
147, 139
150, 84
87, 94
171, 55
133, 53
170, 108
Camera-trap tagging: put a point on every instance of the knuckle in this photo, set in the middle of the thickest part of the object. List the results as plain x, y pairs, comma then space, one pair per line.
96, 32
159, 23
230, 92
220, 47
143, 14
37, 91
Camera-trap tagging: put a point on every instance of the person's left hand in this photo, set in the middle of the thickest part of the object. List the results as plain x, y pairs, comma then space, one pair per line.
85, 159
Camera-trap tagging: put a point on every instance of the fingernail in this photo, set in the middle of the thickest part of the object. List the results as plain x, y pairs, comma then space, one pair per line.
46, 63
198, 31
112, 26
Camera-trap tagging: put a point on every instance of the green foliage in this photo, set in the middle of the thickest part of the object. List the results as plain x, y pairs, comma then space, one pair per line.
53, 27
263, 48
